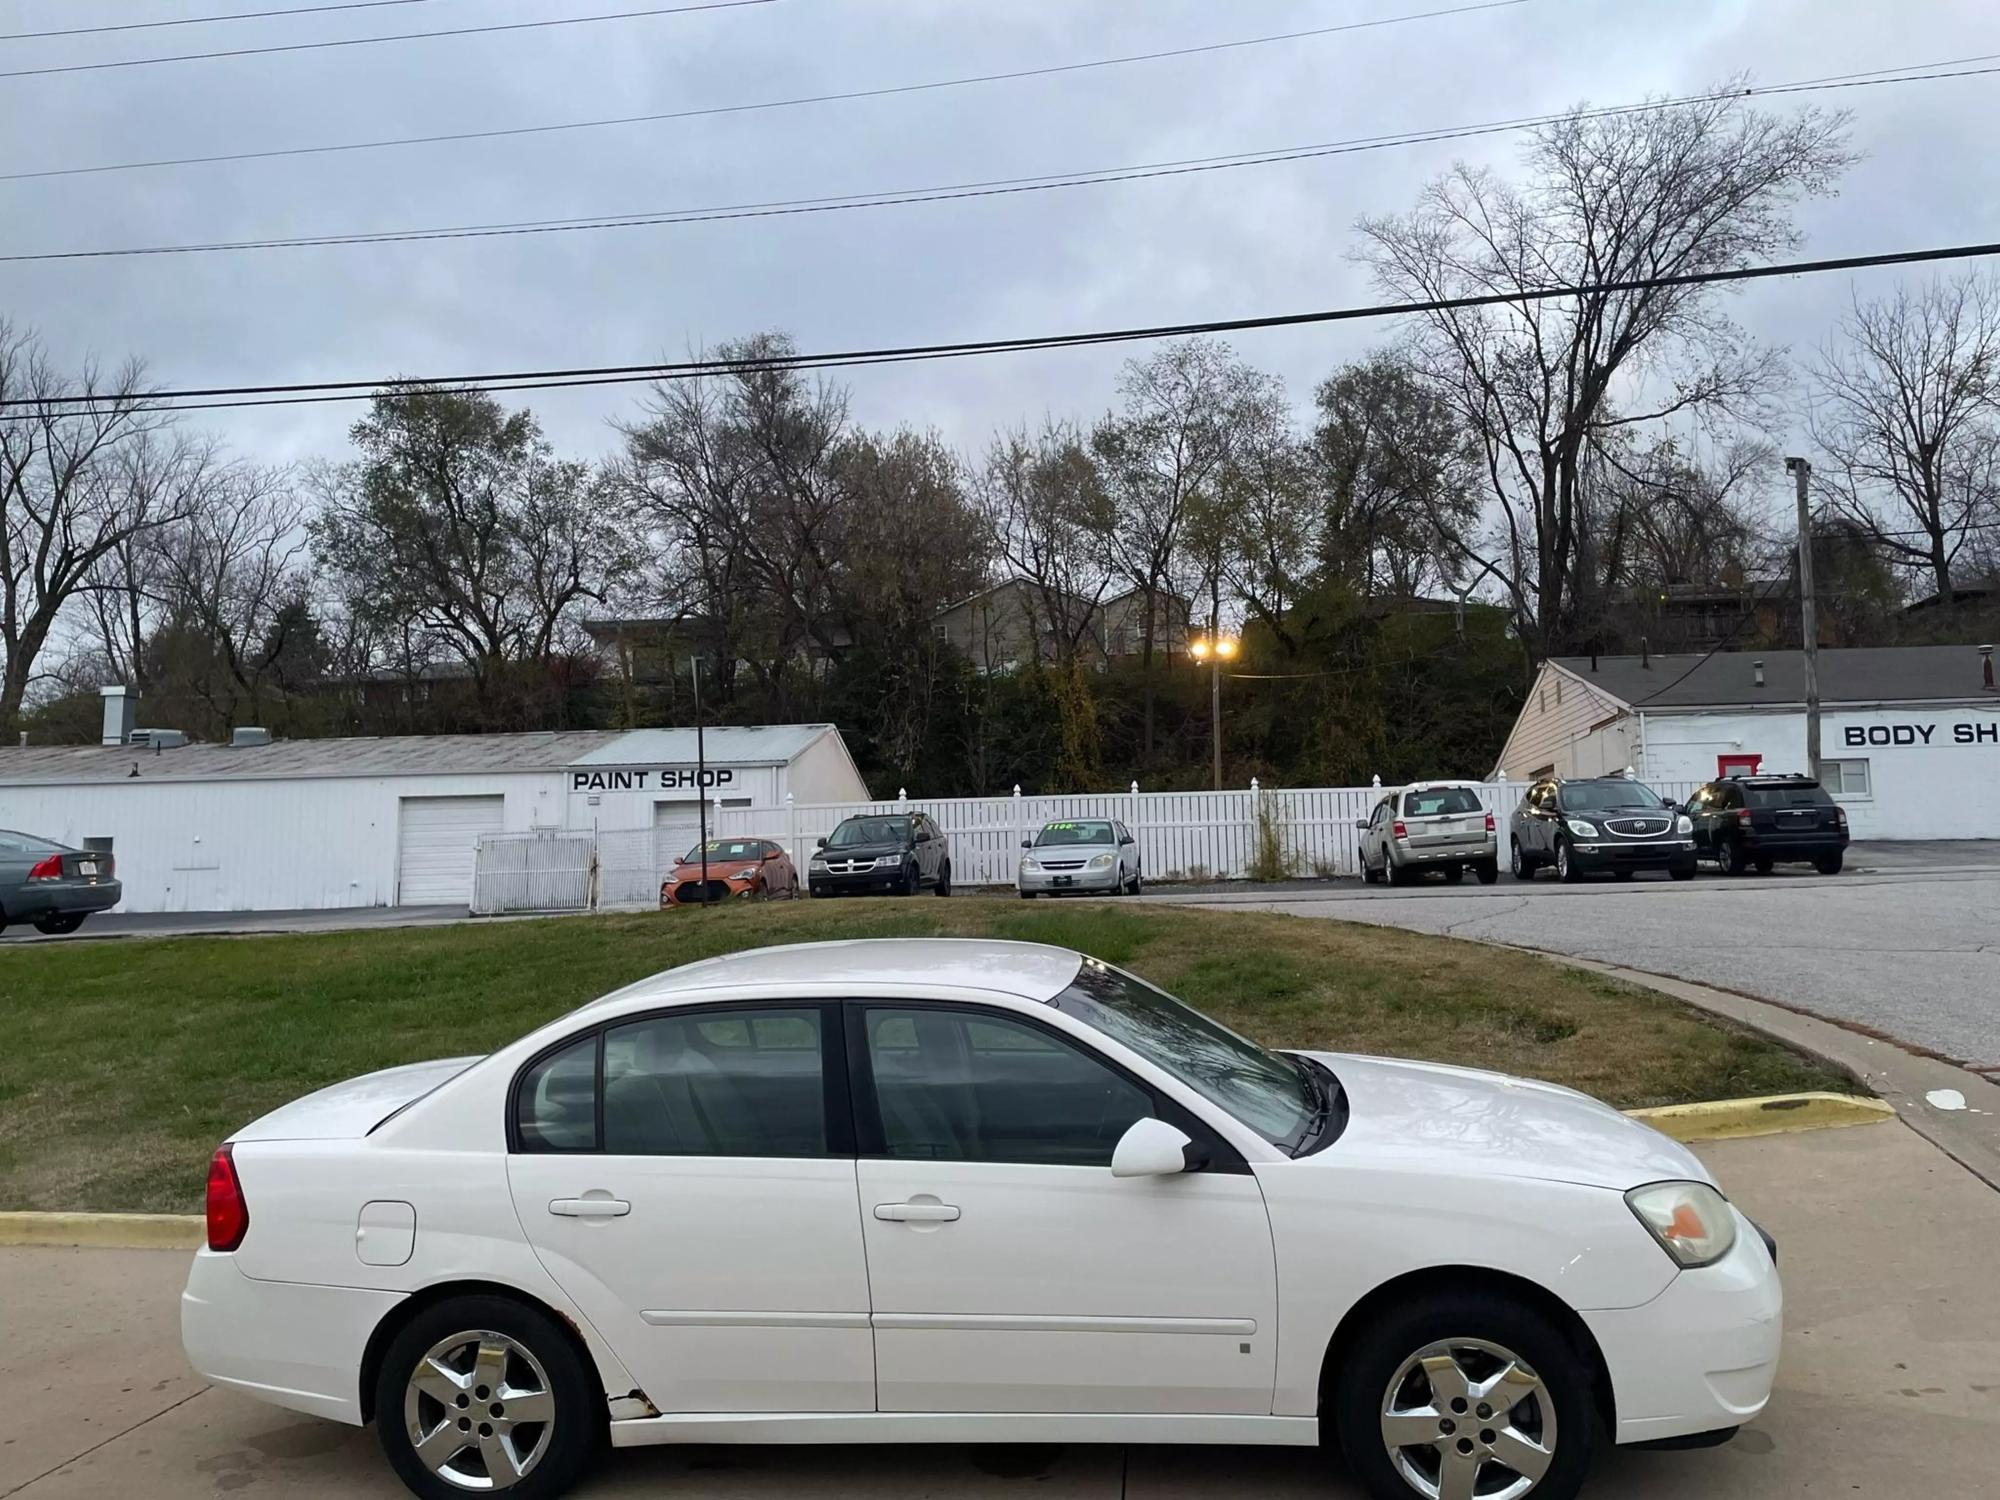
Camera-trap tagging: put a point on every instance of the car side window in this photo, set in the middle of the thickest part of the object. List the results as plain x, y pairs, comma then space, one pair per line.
555, 1104
952, 1086
716, 1083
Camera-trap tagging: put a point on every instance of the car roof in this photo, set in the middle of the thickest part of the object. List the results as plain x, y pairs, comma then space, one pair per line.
1028, 971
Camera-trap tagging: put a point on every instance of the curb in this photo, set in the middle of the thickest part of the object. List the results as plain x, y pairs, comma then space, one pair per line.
1775, 1114
104, 1231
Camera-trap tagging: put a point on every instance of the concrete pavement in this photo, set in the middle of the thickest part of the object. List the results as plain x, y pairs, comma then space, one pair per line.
1887, 1387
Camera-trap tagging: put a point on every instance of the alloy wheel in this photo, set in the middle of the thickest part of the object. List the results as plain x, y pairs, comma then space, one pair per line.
1464, 1418
479, 1411
1562, 860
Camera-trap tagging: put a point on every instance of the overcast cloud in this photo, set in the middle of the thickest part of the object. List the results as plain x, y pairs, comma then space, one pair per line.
1258, 240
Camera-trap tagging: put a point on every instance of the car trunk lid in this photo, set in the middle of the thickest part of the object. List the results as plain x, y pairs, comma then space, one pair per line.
343, 1111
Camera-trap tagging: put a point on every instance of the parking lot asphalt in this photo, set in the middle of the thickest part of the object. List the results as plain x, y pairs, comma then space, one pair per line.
1886, 1387
1906, 946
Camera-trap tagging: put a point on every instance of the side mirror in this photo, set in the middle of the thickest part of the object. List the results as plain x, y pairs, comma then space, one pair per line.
1027, 843
1151, 1148
821, 844
1362, 824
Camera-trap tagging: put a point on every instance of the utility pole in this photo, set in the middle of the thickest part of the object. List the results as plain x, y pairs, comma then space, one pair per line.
700, 778
1801, 472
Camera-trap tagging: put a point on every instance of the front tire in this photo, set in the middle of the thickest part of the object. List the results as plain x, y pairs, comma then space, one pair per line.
1465, 1393
486, 1393
1566, 868
56, 923
1521, 863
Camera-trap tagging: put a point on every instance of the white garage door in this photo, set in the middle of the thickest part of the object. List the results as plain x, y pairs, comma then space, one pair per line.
437, 838
676, 829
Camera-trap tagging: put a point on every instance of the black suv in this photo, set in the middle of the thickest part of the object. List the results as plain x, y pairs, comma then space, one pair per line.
1754, 822
1609, 823
896, 853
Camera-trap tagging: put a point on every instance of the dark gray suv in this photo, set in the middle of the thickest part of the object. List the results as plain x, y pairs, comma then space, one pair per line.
1604, 824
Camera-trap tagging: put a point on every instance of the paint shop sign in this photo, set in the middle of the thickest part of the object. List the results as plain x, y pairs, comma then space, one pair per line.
1877, 736
652, 779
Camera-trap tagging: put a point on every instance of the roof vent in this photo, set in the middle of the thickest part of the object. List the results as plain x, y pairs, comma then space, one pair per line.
247, 735
1986, 666
159, 739
1758, 668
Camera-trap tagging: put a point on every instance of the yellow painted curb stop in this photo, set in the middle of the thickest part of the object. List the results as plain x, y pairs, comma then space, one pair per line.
1775, 1114
105, 1231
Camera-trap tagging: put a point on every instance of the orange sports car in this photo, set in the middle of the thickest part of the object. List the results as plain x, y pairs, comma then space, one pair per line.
736, 868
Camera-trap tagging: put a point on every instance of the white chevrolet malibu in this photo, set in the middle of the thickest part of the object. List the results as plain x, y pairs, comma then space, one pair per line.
972, 1192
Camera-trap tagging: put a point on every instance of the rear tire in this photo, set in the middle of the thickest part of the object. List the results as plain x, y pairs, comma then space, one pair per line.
1764, 866
1521, 862
1682, 872
1397, 874
1368, 872
1488, 872
1027, 895
1829, 864
944, 879
1478, 1334
554, 1453
56, 923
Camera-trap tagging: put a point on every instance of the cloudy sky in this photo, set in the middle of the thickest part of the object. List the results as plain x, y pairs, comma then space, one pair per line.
1258, 240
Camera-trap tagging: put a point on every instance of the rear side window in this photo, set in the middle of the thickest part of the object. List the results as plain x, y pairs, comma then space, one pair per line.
556, 1106
1813, 795
1444, 801
736, 1083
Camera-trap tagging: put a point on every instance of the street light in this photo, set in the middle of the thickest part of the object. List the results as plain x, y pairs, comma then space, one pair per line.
1215, 651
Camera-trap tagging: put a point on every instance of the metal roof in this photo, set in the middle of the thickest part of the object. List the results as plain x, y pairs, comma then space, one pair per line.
405, 755
1872, 674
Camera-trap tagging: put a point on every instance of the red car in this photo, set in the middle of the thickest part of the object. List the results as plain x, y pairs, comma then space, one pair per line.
736, 868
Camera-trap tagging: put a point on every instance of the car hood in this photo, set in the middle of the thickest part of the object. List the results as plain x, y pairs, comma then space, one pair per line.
1418, 1116
342, 1111
717, 867
860, 851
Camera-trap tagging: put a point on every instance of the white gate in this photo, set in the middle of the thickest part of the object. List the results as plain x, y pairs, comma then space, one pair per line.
515, 872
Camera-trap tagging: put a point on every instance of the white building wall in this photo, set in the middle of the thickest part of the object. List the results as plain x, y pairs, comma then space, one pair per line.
260, 845
1562, 710
1933, 773
825, 772
625, 803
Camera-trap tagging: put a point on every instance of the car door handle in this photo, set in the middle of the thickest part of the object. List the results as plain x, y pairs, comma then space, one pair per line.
590, 1208
917, 1213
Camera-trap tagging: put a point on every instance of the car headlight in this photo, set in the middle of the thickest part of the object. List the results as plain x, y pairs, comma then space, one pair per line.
1582, 829
1685, 825
1691, 1220
1028, 862
1100, 862
884, 861
818, 862
748, 873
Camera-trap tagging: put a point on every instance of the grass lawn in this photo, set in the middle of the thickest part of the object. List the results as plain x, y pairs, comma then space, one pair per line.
125, 1062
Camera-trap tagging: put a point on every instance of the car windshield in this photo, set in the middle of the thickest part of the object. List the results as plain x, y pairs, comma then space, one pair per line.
1797, 794
1440, 801
1283, 1100
1607, 796
870, 831
1074, 833
25, 843
730, 849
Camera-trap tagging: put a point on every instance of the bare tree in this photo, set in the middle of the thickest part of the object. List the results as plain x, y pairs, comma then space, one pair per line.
1906, 406
87, 467
1269, 512
1612, 201
1046, 509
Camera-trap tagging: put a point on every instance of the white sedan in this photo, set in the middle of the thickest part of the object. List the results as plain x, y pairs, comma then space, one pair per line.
972, 1192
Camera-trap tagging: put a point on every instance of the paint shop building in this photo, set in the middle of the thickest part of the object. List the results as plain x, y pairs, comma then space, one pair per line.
1909, 735
266, 825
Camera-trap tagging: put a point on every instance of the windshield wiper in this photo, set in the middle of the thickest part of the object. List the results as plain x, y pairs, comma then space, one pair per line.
1319, 1096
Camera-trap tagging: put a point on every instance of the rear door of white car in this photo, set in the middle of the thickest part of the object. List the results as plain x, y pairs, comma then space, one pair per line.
1011, 1272
688, 1178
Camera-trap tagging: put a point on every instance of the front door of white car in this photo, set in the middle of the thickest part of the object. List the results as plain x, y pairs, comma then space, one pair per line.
688, 1180
1010, 1270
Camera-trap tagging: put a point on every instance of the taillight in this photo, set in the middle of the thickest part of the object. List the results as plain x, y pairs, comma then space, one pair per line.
1840, 816
1489, 822
1399, 830
228, 1214
48, 869
1743, 816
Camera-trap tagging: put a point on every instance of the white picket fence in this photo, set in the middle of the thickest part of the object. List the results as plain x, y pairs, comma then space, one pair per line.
1183, 836
1189, 836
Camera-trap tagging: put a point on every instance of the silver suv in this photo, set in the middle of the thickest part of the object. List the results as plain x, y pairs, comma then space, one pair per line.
1429, 825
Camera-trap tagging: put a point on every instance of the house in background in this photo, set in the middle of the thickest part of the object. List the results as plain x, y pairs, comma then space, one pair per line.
1007, 626
1909, 735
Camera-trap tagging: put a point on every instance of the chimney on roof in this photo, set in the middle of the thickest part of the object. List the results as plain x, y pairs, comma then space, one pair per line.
1593, 660
1986, 666
121, 714
1758, 667
1645, 653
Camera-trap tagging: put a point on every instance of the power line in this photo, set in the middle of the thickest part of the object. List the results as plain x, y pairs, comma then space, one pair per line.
794, 102
991, 188
241, 15
376, 41
306, 392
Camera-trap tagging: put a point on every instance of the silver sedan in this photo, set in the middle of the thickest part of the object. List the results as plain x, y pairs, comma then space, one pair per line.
1085, 854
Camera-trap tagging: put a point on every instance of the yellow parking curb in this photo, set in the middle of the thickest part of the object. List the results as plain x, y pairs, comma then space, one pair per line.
105, 1231
1776, 1114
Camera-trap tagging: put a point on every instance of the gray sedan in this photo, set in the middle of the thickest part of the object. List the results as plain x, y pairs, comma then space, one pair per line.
1083, 854
53, 887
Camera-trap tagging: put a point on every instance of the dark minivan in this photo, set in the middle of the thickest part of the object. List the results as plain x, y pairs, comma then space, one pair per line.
1754, 822
881, 854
